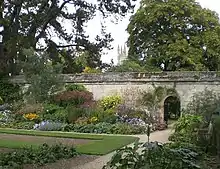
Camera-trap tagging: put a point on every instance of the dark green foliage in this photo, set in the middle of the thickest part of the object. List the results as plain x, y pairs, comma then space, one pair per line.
54, 113
41, 155
10, 92
154, 156
128, 66
175, 35
186, 129
133, 66
77, 87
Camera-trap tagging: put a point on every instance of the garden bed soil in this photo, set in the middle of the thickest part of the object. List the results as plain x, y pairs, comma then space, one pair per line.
42, 140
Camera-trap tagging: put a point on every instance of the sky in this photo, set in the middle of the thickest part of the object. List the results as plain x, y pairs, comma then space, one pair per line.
119, 33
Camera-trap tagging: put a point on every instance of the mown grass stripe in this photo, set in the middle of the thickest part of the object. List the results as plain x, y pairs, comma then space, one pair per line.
102, 144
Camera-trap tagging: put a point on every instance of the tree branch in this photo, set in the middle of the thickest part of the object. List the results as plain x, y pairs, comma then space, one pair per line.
51, 17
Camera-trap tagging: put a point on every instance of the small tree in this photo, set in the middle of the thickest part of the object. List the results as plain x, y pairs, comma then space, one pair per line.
204, 103
42, 76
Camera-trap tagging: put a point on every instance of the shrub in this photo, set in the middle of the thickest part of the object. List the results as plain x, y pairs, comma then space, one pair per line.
51, 108
154, 156
41, 155
54, 113
110, 102
73, 113
108, 116
186, 128
73, 98
9, 92
204, 103
75, 87
48, 126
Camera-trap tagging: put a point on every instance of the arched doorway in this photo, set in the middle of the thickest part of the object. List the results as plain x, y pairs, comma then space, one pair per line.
171, 108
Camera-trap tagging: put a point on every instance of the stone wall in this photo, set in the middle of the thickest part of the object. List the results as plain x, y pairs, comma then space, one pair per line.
185, 83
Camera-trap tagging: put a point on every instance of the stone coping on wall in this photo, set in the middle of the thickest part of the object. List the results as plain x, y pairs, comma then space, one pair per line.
135, 77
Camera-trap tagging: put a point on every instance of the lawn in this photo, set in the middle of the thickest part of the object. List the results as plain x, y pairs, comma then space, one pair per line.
98, 144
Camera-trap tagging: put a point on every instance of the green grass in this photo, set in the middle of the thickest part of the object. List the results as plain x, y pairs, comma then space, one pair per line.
101, 145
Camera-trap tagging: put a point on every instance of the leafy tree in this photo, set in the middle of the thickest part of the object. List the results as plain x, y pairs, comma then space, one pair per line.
128, 66
133, 66
34, 24
175, 35
42, 76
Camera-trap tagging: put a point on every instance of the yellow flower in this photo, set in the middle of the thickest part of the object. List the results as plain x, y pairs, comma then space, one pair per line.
93, 119
87, 69
30, 116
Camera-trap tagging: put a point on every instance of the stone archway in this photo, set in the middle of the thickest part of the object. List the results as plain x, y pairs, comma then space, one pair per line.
165, 105
171, 108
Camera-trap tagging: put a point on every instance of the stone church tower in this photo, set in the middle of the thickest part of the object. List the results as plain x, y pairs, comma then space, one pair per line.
122, 54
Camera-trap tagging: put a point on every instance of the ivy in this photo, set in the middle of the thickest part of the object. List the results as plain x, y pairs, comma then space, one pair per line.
153, 99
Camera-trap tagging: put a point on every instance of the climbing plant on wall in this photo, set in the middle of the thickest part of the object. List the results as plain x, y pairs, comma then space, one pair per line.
153, 99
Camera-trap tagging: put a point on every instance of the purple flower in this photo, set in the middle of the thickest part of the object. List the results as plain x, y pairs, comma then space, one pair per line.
48, 126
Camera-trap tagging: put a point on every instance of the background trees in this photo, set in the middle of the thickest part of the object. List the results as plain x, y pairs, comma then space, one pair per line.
34, 24
175, 35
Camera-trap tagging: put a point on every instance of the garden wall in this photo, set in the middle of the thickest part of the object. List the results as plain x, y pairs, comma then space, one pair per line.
130, 84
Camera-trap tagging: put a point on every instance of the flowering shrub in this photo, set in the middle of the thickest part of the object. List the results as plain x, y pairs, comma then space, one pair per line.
110, 102
31, 116
48, 126
73, 97
132, 121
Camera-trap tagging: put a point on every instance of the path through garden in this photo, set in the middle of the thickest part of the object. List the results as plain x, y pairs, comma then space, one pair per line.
160, 136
